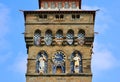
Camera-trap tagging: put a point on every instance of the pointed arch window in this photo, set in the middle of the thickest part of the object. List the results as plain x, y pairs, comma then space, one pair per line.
70, 37
76, 62
48, 37
81, 36
41, 62
37, 37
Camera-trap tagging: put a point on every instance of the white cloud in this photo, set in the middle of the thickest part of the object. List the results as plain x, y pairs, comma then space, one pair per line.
4, 20
103, 59
102, 18
4, 17
4, 57
19, 63
90, 7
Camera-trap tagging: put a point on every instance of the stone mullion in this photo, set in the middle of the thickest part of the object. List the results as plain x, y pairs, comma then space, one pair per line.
67, 66
49, 66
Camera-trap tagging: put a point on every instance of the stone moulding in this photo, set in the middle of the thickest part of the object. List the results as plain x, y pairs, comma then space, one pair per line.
68, 74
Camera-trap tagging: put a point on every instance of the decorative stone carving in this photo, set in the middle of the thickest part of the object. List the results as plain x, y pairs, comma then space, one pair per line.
37, 38
81, 41
81, 37
59, 37
48, 37
58, 62
70, 37
76, 62
41, 64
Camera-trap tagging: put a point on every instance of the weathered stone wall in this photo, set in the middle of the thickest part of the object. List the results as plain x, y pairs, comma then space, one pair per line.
59, 78
33, 22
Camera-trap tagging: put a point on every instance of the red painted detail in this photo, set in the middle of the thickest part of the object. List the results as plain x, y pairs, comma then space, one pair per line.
78, 2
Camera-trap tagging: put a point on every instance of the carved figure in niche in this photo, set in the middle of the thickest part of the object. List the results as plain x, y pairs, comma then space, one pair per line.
76, 62
58, 63
42, 60
41, 63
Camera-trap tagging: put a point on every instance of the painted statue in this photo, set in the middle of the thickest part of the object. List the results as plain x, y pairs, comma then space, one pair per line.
41, 64
42, 61
76, 60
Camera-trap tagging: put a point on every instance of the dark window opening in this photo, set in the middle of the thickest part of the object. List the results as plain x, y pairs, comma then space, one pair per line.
77, 16
57, 16
45, 16
40, 16
73, 16
61, 16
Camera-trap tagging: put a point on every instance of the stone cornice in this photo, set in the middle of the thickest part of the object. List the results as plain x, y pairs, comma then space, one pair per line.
64, 74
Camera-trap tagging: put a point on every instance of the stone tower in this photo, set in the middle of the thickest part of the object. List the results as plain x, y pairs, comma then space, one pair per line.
59, 40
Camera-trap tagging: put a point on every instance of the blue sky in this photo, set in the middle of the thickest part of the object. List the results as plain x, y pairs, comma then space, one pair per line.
106, 57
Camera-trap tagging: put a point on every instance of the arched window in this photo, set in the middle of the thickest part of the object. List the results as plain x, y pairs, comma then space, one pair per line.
37, 37
58, 62
45, 5
59, 37
76, 62
66, 5
81, 36
41, 62
61, 16
59, 5
52, 5
48, 37
70, 37
74, 5
59, 34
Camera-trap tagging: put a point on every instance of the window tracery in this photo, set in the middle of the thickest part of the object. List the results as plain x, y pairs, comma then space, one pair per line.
37, 37
81, 37
59, 37
70, 37
48, 37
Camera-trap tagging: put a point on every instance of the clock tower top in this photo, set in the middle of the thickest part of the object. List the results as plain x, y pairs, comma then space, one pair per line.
60, 4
